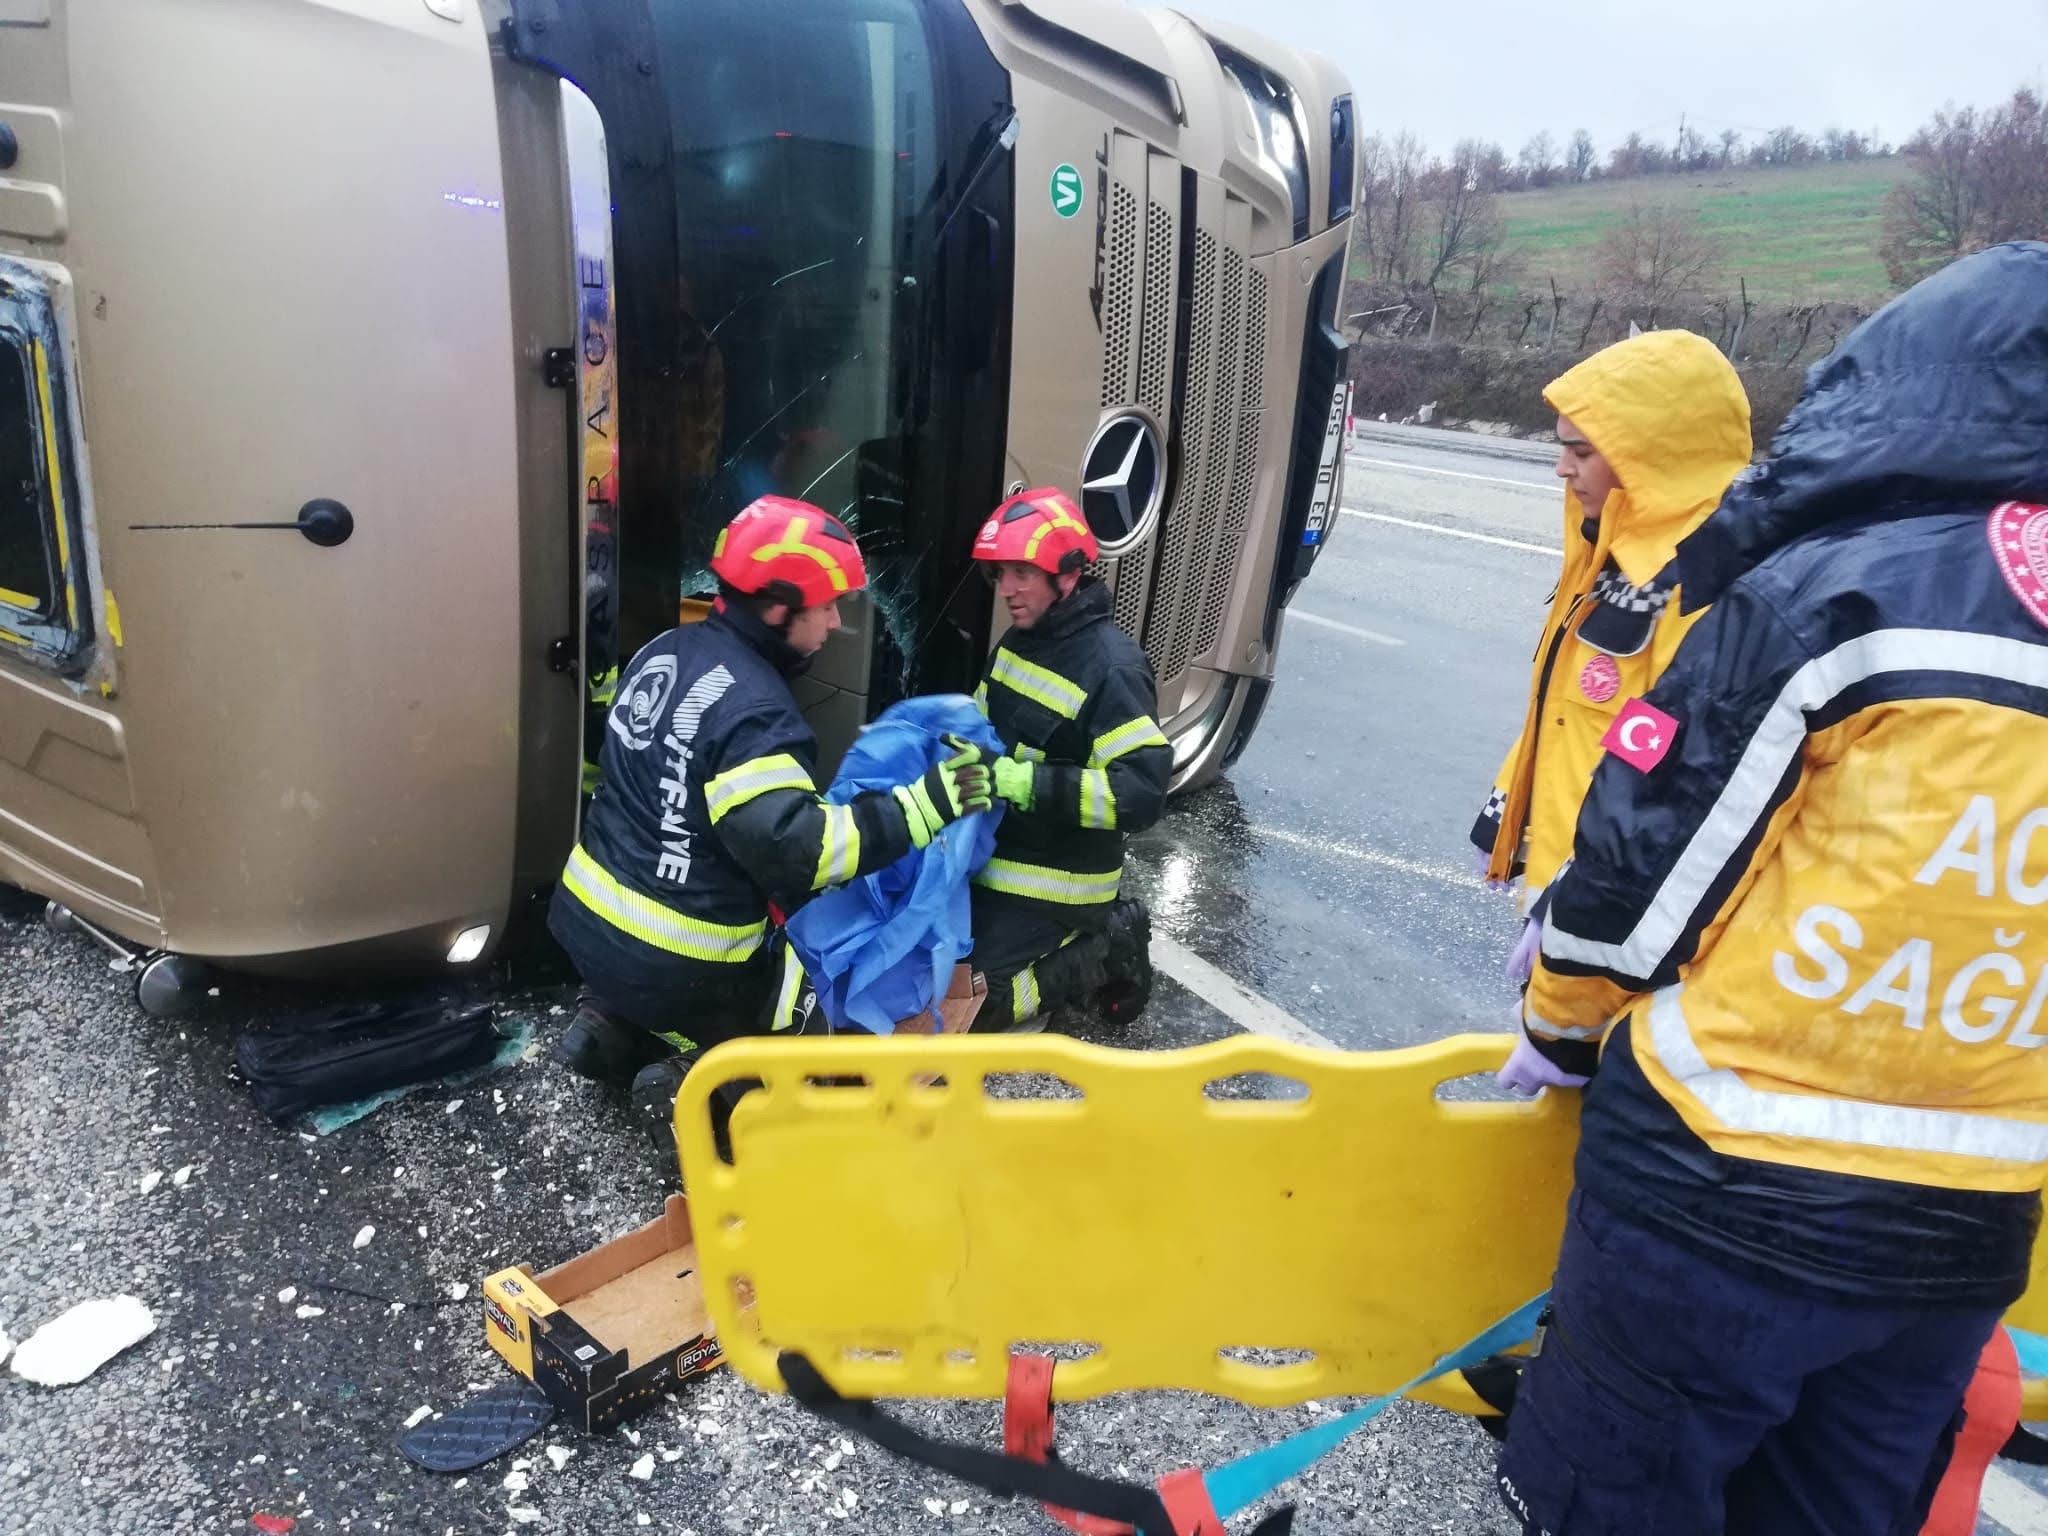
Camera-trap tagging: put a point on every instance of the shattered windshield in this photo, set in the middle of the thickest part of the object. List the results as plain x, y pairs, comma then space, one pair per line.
805, 162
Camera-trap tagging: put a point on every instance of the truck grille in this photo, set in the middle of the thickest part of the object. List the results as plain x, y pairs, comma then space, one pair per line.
1172, 589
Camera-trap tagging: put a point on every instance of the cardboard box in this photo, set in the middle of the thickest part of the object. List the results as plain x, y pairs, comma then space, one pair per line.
607, 1334
956, 1010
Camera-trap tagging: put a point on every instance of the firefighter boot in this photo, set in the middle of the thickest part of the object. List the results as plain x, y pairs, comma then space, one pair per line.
1129, 964
655, 1087
602, 1047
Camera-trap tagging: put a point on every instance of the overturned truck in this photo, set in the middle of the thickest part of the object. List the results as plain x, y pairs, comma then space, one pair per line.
374, 376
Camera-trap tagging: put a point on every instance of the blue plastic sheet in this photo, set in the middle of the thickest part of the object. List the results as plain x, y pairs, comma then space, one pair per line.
883, 947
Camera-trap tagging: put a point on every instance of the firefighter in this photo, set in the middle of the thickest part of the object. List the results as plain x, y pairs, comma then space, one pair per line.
1650, 432
1073, 696
707, 823
1804, 934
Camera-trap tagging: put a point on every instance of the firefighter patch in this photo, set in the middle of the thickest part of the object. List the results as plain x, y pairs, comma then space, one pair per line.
1641, 735
1600, 679
2019, 542
636, 716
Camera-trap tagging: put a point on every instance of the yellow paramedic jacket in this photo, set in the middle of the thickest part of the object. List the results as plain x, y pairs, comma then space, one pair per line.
1669, 414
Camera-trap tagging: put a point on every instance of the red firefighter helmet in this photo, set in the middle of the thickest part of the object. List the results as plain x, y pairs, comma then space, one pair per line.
780, 541
1042, 527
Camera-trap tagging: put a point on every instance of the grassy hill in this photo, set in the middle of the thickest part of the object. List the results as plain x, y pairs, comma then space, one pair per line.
1798, 235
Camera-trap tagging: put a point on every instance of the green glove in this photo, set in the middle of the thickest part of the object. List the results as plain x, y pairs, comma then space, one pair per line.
956, 787
1016, 781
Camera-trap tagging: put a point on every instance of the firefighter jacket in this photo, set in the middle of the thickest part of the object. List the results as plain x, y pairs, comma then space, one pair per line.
1669, 415
1811, 879
1074, 696
706, 811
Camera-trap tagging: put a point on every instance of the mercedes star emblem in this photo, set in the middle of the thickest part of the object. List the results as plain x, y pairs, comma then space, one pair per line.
1123, 475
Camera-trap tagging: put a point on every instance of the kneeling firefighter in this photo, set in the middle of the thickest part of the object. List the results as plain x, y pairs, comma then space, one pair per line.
1073, 696
707, 822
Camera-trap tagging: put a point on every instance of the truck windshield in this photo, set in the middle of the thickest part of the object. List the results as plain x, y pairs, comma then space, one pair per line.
808, 171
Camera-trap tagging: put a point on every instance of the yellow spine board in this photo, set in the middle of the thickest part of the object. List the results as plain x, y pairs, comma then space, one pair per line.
906, 1231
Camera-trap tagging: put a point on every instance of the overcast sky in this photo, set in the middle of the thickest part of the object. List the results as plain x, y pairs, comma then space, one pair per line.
1503, 69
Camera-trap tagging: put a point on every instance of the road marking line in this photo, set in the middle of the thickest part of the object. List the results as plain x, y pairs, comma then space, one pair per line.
1243, 1007
1345, 629
1447, 874
2013, 1504
1457, 474
1455, 533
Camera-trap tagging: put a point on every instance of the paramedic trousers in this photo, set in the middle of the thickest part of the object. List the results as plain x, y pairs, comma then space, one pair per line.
1674, 1396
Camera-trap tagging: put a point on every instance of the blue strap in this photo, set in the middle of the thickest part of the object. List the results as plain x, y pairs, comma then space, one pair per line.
2032, 1350
1239, 1484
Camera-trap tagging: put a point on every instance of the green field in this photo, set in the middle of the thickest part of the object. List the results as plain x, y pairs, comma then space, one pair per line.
1798, 235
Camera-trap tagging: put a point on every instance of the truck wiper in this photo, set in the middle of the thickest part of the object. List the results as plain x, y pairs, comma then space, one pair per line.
1004, 121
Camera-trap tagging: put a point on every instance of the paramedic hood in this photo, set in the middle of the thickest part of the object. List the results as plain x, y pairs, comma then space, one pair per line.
1669, 414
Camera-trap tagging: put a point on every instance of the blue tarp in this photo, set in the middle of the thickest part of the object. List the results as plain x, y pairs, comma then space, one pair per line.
883, 947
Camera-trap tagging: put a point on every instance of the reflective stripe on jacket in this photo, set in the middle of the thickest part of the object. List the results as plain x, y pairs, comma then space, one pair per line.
707, 810
1074, 697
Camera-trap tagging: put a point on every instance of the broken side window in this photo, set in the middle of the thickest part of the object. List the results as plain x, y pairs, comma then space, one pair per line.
43, 615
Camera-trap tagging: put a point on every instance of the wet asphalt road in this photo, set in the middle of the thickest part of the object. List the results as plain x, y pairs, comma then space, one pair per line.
1329, 875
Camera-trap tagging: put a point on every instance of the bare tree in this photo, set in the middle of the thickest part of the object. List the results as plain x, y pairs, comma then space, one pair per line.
1731, 147
1463, 227
1581, 158
1389, 197
1537, 163
1485, 163
1655, 256
1693, 153
1976, 180
1786, 146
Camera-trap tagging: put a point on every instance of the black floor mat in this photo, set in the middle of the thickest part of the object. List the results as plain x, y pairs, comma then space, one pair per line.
499, 1419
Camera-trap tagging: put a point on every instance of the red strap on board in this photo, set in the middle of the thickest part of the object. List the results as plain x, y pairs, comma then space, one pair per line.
1028, 1434
1186, 1498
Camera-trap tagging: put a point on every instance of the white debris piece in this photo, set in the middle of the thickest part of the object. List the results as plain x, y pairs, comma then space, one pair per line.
633, 1435
710, 1427
524, 1514
935, 1506
832, 1462
258, 1459
151, 1179
643, 1519
71, 1346
288, 1295
959, 1507
451, 1106
364, 1238
643, 1468
559, 1455
669, 1455
848, 1497
182, 1175
310, 1312
458, 1290
516, 1482
423, 1412
497, 1174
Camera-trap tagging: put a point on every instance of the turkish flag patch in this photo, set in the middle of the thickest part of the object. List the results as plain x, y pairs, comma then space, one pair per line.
1640, 735
2019, 542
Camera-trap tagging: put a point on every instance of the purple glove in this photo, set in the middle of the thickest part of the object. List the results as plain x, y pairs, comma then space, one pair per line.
1523, 961
1529, 1071
1480, 860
